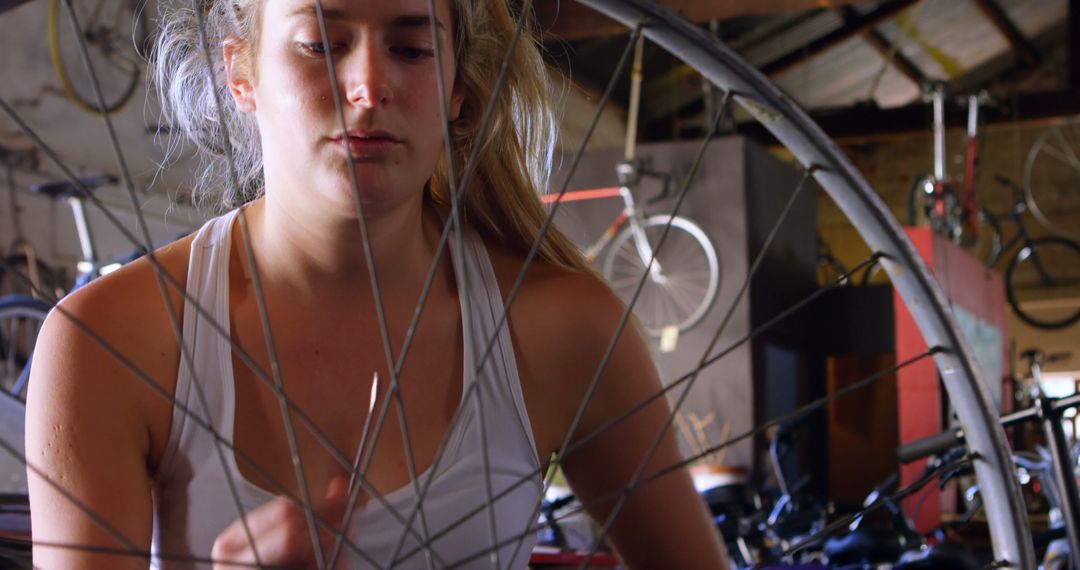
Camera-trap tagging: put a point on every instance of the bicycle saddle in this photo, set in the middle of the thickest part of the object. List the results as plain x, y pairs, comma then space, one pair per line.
66, 189
940, 556
724, 498
866, 546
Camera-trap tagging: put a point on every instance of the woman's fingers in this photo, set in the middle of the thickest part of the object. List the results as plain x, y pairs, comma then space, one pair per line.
280, 532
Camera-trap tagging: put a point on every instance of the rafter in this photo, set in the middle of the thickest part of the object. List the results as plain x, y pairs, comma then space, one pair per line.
1004, 24
6, 5
856, 25
569, 20
879, 42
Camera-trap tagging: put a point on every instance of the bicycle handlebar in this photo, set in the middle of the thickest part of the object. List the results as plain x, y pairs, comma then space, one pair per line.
64, 189
927, 446
630, 172
949, 439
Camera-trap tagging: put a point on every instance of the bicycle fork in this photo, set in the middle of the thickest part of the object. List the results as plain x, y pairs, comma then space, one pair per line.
641, 242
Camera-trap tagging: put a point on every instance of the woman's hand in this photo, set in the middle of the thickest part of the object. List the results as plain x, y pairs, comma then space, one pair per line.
280, 532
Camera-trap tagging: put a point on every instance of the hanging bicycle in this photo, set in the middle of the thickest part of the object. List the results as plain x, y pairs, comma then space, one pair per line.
821, 160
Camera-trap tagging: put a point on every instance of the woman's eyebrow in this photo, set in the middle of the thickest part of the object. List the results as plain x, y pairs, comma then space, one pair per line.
311, 10
402, 21
414, 21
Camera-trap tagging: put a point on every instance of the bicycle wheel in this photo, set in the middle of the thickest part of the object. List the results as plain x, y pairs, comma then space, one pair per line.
20, 320
681, 292
833, 171
14, 267
1052, 178
110, 29
1042, 282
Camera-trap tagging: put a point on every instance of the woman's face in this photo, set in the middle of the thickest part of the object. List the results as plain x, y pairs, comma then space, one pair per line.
385, 65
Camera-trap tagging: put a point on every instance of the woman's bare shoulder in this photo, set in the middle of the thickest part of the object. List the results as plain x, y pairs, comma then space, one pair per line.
131, 302
561, 302
115, 334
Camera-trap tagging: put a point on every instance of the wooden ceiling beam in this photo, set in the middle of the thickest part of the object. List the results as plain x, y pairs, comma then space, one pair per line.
6, 5
852, 27
1004, 24
570, 20
890, 52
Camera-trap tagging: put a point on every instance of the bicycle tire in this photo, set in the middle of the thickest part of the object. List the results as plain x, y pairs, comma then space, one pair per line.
1050, 185
1018, 275
87, 101
14, 267
623, 266
834, 172
20, 320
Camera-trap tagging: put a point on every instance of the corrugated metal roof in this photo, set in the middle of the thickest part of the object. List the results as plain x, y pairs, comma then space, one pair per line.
945, 39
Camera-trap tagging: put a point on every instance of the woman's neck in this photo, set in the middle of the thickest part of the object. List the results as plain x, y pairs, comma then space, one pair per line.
323, 256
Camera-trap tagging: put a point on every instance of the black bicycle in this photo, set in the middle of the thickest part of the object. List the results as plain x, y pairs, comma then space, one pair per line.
1043, 274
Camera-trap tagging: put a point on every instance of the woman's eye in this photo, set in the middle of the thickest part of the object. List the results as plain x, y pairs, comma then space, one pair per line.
317, 48
412, 53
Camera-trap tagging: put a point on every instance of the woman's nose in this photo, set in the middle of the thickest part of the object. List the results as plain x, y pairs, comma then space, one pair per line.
366, 83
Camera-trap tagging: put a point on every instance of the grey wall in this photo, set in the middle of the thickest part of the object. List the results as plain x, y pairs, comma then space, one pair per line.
734, 197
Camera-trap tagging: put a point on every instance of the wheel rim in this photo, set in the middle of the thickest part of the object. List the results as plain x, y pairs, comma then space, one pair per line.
835, 174
105, 40
1049, 267
683, 301
1052, 175
833, 171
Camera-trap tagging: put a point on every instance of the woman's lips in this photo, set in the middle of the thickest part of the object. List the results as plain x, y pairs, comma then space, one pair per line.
369, 147
369, 144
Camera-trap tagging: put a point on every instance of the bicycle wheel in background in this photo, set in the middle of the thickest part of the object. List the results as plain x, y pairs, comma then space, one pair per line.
20, 321
1042, 283
682, 287
49, 280
878, 227
822, 160
115, 33
1052, 179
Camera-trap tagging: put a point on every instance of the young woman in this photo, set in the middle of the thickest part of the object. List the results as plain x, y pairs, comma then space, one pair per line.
102, 426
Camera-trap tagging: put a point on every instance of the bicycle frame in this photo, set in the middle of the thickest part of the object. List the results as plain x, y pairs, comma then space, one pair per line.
89, 267
1022, 236
940, 185
630, 214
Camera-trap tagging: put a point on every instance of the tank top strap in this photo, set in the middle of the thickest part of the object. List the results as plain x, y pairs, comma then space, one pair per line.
207, 299
496, 369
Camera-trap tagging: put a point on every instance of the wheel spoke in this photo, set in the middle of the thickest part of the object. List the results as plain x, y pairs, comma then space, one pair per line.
785, 418
147, 242
1062, 157
1068, 154
682, 298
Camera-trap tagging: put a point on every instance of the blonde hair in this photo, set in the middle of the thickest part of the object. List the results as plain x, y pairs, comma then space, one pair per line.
514, 154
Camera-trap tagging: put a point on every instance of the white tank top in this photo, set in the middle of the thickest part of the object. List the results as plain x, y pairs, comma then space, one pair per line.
192, 499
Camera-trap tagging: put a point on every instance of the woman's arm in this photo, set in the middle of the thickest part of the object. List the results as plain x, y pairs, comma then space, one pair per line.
662, 523
86, 438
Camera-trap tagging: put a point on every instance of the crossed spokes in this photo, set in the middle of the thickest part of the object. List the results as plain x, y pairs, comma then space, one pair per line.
419, 537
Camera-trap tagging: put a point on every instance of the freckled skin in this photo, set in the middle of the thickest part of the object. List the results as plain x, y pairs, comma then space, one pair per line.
104, 430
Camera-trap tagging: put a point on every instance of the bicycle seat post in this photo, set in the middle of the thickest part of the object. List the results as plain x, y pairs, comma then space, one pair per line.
86, 239
937, 95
